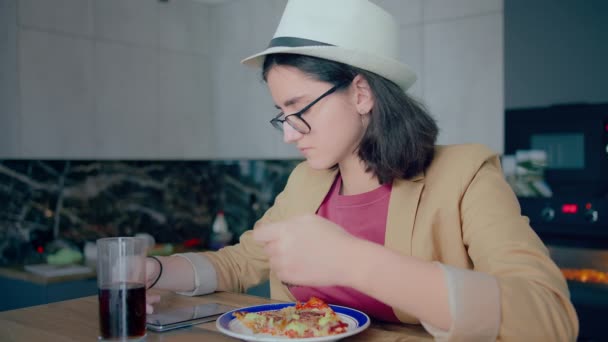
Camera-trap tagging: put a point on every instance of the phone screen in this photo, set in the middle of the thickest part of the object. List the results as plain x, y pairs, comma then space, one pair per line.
177, 318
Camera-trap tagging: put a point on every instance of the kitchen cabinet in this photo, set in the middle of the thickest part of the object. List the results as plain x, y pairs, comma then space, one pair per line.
21, 289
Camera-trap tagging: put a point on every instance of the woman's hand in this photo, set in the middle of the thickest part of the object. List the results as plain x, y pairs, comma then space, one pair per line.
176, 274
308, 250
151, 299
152, 272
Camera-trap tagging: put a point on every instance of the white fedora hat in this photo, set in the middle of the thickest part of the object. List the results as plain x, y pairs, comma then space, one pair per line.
353, 32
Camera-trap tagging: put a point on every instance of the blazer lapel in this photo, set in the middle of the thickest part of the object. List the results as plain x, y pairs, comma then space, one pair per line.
403, 204
315, 194
402, 208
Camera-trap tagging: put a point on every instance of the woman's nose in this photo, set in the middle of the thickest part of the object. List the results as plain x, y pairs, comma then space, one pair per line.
290, 135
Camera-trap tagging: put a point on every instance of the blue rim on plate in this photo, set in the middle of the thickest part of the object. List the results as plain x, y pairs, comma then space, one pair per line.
357, 320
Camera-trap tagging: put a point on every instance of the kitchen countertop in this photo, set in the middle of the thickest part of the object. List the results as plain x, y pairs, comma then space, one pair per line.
18, 272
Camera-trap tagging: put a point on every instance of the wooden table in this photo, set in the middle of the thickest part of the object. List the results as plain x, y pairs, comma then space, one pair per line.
77, 320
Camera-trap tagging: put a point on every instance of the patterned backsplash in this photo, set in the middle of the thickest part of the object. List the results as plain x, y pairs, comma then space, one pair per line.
174, 201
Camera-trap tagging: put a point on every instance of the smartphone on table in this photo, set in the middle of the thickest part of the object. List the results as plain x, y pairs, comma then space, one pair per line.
183, 317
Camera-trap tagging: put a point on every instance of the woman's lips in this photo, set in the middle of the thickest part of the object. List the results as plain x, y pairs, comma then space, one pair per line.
303, 150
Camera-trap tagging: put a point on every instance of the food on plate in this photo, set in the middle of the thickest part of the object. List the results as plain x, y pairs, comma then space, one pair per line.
311, 319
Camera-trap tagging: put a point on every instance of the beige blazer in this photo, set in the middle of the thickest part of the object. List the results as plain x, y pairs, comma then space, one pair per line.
460, 212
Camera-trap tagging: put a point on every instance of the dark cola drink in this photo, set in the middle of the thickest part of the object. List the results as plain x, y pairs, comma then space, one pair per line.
122, 311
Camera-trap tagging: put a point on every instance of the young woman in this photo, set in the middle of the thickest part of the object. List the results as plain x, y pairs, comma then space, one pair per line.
379, 218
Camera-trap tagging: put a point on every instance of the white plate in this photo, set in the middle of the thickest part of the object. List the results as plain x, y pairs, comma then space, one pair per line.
228, 324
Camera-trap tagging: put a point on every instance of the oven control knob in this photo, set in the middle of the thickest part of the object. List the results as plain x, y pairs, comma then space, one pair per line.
547, 214
591, 216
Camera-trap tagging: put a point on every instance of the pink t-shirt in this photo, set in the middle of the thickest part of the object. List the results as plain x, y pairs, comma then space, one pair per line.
363, 216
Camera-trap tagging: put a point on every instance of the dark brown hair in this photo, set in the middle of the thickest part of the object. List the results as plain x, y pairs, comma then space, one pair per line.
400, 139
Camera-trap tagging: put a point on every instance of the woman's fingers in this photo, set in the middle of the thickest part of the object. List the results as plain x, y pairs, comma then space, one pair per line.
267, 233
151, 299
272, 249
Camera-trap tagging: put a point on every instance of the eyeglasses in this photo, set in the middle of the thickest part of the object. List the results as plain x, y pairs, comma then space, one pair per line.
295, 120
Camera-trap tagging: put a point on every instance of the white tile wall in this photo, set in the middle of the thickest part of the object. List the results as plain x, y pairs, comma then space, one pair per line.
411, 53
445, 9
241, 111
155, 79
234, 29
264, 26
408, 12
126, 101
463, 80
266, 142
242, 105
265, 16
56, 94
185, 25
10, 122
455, 47
66, 16
112, 79
132, 21
185, 118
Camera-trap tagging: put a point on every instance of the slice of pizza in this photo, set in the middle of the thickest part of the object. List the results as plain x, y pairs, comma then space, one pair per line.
266, 322
314, 319
311, 319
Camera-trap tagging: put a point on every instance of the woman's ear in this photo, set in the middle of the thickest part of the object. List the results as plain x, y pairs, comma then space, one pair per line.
363, 95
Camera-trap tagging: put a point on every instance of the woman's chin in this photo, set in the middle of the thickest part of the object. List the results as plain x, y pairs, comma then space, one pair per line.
317, 164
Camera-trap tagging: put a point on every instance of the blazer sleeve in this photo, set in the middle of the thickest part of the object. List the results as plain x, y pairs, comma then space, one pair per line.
245, 264
534, 298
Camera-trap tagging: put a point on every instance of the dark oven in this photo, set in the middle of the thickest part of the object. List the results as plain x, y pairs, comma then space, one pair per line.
575, 138
573, 222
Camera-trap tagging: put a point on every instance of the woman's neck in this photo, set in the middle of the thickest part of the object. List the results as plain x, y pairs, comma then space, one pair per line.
354, 178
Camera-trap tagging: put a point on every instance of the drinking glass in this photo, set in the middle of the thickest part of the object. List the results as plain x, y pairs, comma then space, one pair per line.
121, 283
